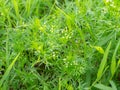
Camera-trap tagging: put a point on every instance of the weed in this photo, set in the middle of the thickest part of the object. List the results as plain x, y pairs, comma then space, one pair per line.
59, 44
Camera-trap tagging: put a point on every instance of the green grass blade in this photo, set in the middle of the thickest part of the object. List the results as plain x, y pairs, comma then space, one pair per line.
113, 62
69, 20
59, 84
28, 7
15, 4
118, 63
102, 64
8, 70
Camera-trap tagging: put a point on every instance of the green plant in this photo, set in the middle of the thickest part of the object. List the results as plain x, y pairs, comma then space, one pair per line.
61, 43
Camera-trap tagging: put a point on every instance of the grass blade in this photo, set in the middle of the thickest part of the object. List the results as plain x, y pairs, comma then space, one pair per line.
113, 62
8, 70
15, 3
103, 62
118, 63
102, 87
28, 7
102, 65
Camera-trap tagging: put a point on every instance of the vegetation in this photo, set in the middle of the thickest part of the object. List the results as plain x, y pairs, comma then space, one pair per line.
59, 44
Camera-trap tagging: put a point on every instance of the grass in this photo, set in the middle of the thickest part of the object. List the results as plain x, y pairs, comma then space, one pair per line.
59, 45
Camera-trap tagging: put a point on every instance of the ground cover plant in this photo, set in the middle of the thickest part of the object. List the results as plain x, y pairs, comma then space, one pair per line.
59, 45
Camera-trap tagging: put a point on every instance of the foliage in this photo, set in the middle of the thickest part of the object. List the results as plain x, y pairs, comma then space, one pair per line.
59, 44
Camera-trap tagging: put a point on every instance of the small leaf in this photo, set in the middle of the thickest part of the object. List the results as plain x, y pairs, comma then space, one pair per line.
99, 49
